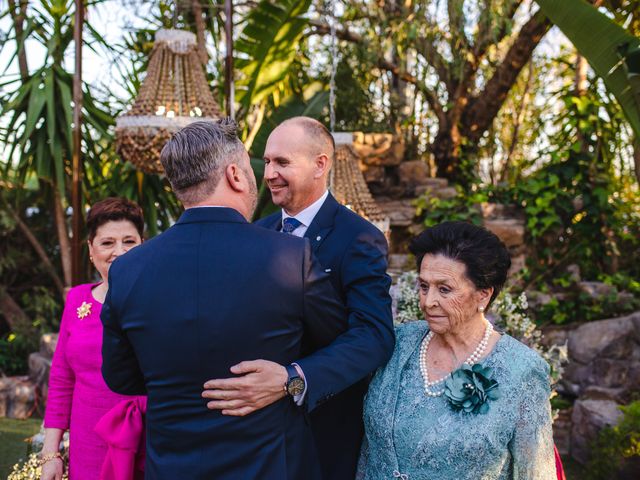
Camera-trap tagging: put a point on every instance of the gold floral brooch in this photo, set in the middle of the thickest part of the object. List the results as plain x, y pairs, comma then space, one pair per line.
84, 310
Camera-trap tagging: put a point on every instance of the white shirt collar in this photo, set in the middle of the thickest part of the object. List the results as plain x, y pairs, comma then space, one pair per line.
307, 215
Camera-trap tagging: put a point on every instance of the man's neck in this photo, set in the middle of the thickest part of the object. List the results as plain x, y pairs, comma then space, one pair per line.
212, 201
217, 201
310, 202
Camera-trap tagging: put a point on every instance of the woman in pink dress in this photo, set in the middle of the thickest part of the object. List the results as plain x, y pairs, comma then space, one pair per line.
78, 396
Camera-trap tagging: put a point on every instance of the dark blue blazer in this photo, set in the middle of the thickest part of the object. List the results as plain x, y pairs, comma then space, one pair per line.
354, 253
182, 308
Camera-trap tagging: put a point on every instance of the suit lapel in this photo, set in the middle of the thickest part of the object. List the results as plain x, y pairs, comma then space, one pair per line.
273, 221
323, 223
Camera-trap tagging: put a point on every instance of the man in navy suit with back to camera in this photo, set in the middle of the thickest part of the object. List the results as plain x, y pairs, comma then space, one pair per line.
206, 294
298, 158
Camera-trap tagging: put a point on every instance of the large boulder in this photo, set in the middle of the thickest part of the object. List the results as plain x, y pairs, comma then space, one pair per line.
373, 173
48, 343
39, 367
379, 148
588, 418
413, 173
499, 210
603, 373
589, 340
17, 397
400, 212
510, 230
596, 290
442, 193
575, 376
400, 262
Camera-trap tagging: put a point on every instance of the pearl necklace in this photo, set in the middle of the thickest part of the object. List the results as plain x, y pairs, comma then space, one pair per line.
471, 360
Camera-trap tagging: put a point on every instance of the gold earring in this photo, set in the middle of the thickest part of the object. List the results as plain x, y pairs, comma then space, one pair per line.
90, 258
481, 309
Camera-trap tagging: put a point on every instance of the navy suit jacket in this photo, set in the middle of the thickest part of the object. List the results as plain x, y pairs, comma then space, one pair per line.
182, 308
354, 253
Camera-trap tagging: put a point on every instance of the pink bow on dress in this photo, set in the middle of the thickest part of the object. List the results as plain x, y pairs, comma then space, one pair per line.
122, 428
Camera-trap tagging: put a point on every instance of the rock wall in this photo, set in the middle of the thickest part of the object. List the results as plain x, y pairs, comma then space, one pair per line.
603, 373
396, 183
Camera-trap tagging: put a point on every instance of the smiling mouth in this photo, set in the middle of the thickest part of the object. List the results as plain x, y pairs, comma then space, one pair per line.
277, 187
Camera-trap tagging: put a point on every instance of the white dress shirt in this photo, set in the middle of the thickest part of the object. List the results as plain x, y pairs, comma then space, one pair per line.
306, 216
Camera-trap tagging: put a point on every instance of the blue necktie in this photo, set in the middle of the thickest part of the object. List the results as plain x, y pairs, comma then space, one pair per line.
289, 224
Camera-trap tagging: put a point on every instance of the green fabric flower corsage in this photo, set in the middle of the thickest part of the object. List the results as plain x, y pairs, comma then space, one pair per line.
470, 389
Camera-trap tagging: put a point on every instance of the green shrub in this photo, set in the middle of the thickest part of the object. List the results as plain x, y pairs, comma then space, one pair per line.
616, 446
14, 352
463, 207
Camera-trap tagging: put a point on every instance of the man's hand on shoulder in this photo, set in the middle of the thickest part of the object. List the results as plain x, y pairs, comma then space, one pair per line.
261, 383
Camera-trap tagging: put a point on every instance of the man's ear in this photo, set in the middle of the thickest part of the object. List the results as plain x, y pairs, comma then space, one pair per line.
322, 165
234, 178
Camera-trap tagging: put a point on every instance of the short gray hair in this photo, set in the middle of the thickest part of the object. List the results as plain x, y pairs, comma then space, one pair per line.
195, 157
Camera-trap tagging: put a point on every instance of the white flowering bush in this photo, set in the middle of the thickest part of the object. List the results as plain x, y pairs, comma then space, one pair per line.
29, 470
406, 300
511, 317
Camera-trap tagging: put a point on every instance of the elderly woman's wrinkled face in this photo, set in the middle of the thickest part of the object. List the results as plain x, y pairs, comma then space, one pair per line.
448, 298
112, 239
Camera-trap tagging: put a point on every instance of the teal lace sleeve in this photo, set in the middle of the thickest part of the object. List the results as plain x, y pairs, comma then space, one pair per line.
363, 460
532, 443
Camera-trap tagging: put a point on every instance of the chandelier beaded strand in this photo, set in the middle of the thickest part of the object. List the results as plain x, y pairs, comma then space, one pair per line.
174, 94
471, 360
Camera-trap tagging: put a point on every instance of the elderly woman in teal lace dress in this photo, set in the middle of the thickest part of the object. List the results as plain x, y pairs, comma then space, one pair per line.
458, 400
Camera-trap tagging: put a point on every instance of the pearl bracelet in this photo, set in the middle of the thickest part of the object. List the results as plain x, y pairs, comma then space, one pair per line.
46, 458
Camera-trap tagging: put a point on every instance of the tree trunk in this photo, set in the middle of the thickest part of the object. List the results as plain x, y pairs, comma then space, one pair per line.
37, 246
483, 108
13, 314
580, 86
200, 31
518, 118
580, 82
18, 18
63, 237
446, 149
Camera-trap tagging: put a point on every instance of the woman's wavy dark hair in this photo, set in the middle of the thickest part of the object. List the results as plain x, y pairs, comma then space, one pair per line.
485, 257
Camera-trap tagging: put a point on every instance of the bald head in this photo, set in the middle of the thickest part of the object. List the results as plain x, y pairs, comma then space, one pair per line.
317, 136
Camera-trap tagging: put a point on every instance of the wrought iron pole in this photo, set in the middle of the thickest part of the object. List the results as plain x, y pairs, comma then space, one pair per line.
76, 177
228, 63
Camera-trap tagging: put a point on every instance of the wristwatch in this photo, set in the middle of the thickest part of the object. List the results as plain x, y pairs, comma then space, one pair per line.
295, 384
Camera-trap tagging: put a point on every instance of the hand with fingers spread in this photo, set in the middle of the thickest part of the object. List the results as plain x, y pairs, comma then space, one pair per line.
259, 384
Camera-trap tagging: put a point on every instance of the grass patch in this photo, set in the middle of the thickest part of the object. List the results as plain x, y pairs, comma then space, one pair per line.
12, 441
